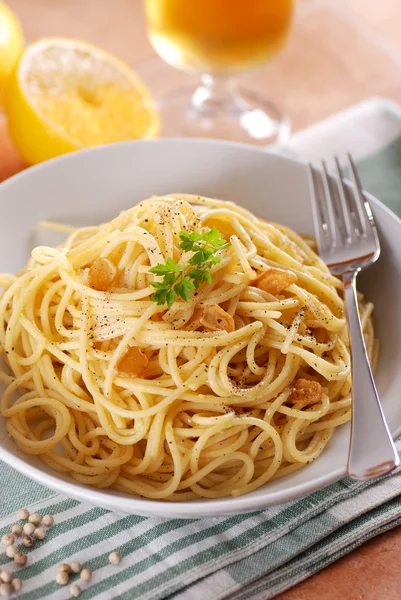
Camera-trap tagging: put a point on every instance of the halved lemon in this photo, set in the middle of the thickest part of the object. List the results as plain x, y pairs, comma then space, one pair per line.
65, 95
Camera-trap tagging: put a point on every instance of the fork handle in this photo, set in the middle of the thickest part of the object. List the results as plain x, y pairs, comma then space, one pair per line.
372, 450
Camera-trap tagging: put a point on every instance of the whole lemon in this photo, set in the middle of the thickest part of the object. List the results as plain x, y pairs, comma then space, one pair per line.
11, 42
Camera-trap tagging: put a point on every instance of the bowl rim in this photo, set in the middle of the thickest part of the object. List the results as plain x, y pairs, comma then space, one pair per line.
162, 508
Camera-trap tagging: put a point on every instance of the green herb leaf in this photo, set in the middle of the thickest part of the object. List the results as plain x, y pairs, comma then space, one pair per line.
200, 257
170, 297
169, 267
207, 276
160, 297
188, 239
184, 288
213, 238
181, 280
198, 276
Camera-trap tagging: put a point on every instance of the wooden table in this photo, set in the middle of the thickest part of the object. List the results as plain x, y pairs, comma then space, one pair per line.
341, 51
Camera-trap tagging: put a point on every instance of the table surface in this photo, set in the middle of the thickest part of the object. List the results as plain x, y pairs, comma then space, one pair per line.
341, 52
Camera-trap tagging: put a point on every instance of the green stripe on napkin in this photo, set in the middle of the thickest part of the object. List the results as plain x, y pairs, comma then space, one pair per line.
381, 175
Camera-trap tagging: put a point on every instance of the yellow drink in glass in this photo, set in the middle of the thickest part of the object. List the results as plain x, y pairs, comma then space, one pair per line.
218, 36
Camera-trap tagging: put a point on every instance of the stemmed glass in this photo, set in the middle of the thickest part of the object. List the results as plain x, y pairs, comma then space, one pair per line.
220, 40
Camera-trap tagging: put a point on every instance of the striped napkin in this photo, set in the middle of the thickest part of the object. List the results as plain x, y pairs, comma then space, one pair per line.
253, 556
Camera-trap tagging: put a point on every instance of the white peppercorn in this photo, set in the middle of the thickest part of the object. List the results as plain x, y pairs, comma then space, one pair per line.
28, 528
76, 566
86, 574
62, 578
35, 519
17, 584
23, 513
28, 541
5, 589
11, 551
115, 558
40, 533
8, 539
64, 567
20, 559
75, 590
48, 520
16, 529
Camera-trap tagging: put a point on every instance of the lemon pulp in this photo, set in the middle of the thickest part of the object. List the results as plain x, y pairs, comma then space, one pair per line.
65, 95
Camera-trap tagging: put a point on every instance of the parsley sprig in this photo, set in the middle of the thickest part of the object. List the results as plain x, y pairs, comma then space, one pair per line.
181, 280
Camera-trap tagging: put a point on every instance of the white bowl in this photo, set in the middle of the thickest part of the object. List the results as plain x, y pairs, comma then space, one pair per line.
94, 185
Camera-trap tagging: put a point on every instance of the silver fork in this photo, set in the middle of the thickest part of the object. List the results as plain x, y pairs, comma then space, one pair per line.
347, 240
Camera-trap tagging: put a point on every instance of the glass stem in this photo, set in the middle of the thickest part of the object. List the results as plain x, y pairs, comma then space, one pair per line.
214, 94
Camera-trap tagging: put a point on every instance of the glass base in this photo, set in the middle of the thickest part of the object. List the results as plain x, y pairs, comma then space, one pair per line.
192, 108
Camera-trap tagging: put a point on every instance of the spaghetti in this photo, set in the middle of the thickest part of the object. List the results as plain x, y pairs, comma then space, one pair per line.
243, 383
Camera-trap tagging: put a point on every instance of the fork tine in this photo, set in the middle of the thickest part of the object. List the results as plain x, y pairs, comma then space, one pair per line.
329, 196
318, 216
343, 202
363, 208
